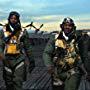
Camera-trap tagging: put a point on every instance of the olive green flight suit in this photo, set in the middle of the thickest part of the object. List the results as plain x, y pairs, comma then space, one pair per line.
14, 69
71, 82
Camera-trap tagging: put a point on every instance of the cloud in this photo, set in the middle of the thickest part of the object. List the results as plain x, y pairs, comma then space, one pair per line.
49, 18
49, 13
83, 25
52, 21
5, 1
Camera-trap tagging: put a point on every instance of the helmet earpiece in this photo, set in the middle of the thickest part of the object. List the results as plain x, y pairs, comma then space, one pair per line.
61, 26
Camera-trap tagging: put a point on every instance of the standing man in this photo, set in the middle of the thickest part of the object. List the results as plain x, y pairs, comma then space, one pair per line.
61, 56
13, 40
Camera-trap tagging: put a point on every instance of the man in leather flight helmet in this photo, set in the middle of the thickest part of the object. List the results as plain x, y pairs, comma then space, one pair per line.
58, 66
14, 67
65, 26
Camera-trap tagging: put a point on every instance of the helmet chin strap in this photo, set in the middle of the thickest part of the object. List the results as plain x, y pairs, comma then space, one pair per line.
11, 28
66, 37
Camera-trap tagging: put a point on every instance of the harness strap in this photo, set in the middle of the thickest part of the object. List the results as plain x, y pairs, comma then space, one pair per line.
16, 67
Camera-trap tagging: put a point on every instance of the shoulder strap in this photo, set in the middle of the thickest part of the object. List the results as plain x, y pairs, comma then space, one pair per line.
21, 33
7, 38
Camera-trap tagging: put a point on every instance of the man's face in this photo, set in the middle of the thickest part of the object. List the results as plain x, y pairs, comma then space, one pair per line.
67, 28
13, 19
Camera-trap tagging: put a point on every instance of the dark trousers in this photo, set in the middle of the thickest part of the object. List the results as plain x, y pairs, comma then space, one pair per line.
14, 77
73, 82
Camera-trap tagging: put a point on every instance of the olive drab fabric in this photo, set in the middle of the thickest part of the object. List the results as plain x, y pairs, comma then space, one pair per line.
63, 56
13, 45
67, 48
14, 69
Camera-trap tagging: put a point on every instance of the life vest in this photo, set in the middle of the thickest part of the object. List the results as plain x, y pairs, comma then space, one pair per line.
70, 56
12, 47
